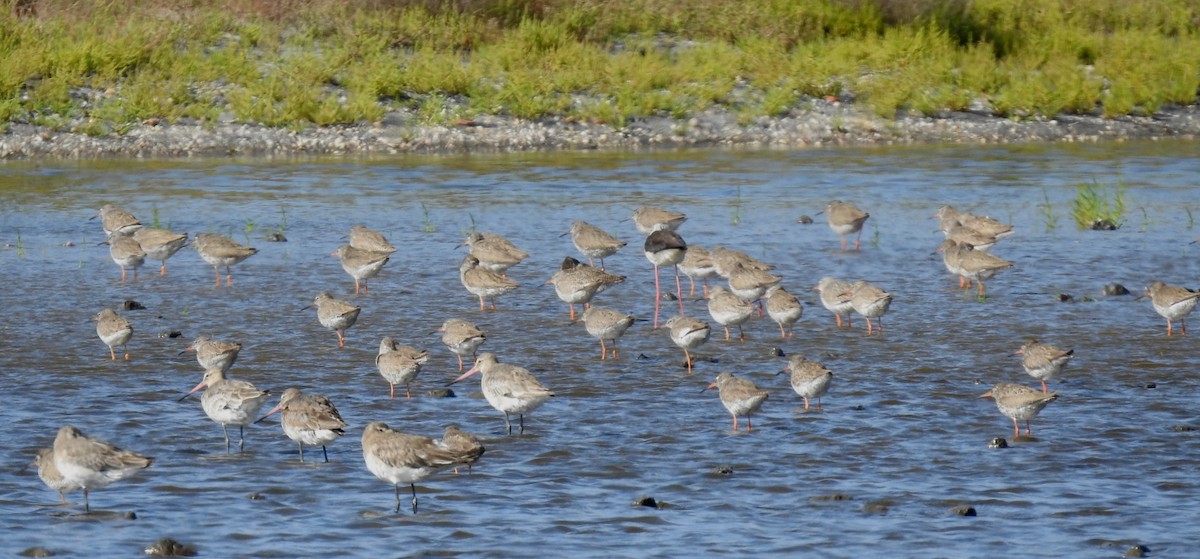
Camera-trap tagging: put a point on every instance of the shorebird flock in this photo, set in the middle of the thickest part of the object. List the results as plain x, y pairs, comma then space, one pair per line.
747, 291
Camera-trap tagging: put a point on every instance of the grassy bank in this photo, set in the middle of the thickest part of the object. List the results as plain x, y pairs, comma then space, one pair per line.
100, 67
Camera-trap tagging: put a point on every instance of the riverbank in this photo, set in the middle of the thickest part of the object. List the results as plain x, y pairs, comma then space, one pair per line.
823, 124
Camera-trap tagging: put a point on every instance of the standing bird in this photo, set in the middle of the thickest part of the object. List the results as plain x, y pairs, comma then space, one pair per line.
91, 463
664, 247
835, 297
482, 282
578, 284
648, 220
1019, 403
508, 388
126, 253
308, 419
1043, 361
220, 250
977, 265
461, 338
606, 325
464, 444
361, 264
698, 264
229, 402
809, 379
403, 459
364, 238
981, 224
160, 244
49, 474
739, 396
750, 284
399, 364
784, 308
688, 334
1172, 303
335, 314
494, 252
869, 301
845, 218
593, 242
116, 220
728, 310
214, 354
114, 331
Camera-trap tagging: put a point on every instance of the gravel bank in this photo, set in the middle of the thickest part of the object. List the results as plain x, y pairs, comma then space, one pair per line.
824, 124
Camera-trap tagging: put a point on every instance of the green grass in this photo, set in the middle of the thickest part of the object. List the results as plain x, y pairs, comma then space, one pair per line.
294, 64
1048, 215
1095, 203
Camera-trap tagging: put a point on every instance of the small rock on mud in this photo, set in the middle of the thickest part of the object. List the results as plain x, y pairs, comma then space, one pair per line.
131, 305
964, 510
440, 393
1114, 289
168, 547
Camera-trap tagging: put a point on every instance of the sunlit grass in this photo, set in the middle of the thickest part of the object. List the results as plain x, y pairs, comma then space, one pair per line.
294, 64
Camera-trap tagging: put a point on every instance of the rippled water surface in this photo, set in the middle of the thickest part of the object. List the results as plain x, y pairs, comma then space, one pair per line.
902, 441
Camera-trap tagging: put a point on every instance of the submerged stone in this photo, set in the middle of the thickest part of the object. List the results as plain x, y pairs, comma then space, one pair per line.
964, 510
645, 501
1114, 289
168, 547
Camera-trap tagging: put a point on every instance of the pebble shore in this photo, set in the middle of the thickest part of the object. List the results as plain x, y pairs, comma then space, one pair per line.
823, 124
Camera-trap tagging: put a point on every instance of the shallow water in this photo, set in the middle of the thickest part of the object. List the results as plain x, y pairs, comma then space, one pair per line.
902, 440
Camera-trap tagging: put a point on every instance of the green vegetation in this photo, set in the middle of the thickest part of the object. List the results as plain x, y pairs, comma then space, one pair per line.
109, 66
428, 227
1047, 212
1099, 206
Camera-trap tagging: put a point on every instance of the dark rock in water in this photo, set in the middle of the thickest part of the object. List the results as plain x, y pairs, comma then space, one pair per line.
37, 552
668, 296
646, 501
1137, 550
964, 510
440, 393
832, 497
1114, 289
276, 237
775, 352
1066, 298
804, 220
1184, 428
1103, 225
131, 305
998, 442
1151, 385
168, 547
877, 507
